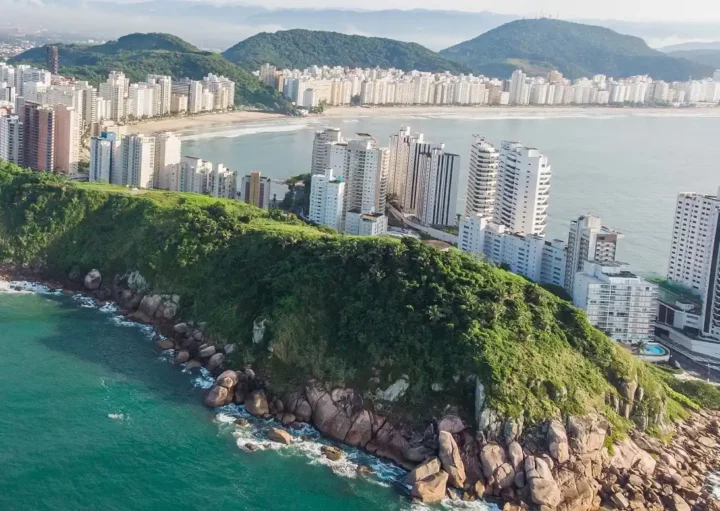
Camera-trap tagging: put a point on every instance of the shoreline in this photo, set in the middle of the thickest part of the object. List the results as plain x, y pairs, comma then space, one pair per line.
575, 470
202, 122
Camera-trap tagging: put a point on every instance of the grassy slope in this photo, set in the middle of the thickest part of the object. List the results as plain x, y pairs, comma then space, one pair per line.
341, 308
574, 49
305, 48
138, 55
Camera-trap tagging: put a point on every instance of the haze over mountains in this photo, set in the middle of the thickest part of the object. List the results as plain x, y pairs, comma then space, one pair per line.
220, 25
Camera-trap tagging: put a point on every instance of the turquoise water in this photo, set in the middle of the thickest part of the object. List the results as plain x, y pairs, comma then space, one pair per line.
654, 349
627, 167
92, 418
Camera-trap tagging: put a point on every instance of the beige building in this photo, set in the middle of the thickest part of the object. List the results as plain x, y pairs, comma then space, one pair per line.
67, 139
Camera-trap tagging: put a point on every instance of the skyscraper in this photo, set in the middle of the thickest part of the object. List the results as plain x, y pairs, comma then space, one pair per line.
168, 156
588, 240
53, 62
115, 90
322, 145
67, 139
194, 174
327, 196
105, 158
222, 182
482, 180
39, 137
523, 189
162, 100
365, 175
402, 145
138, 161
255, 190
439, 205
12, 137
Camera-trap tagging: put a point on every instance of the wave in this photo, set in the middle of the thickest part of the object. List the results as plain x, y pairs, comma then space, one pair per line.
23, 286
241, 132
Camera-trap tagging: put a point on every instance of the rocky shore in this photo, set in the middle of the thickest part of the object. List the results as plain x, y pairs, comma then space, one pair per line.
562, 464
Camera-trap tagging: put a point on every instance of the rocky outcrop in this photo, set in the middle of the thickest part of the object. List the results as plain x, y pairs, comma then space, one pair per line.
93, 280
449, 455
558, 442
452, 424
626, 455
280, 436
332, 453
218, 396
256, 404
426, 469
430, 490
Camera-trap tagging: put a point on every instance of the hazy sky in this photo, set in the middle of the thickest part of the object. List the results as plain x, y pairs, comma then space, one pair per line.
698, 10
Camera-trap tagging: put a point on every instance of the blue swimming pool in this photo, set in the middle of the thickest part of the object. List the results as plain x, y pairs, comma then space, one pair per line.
654, 349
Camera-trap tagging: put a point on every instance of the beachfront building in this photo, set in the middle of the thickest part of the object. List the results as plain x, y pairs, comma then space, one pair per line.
168, 158
405, 147
588, 240
255, 190
222, 182
138, 162
441, 178
365, 224
322, 149
327, 200
104, 158
67, 140
482, 180
529, 255
616, 301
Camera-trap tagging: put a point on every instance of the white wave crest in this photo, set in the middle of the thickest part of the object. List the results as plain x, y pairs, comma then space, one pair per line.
23, 286
248, 130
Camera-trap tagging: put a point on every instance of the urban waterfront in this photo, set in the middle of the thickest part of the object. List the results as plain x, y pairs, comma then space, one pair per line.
626, 168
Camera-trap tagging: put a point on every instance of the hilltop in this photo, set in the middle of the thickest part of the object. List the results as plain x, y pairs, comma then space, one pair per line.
708, 57
138, 55
304, 48
539, 45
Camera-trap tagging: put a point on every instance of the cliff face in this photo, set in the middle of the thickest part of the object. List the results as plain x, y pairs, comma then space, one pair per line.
388, 345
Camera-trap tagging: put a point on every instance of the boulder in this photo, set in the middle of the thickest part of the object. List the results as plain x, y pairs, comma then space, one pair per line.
430, 490
491, 457
242, 421
505, 475
558, 442
193, 364
429, 468
256, 404
287, 419
170, 310
677, 503
626, 455
280, 436
394, 391
449, 455
587, 434
228, 379
150, 304
452, 424
215, 361
303, 410
544, 492
360, 433
619, 501
332, 453
165, 344
536, 468
182, 356
93, 280
217, 397
207, 351
181, 328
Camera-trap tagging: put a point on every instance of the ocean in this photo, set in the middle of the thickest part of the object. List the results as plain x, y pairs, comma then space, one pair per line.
92, 418
626, 167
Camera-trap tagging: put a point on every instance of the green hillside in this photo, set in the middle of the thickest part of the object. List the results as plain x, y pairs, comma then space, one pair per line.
304, 48
351, 311
574, 49
705, 57
138, 55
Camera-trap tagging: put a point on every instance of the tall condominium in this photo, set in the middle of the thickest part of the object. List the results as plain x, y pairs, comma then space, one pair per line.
404, 147
167, 160
138, 161
589, 240
616, 301
162, 100
39, 139
523, 189
322, 146
194, 174
105, 158
12, 138
67, 139
327, 200
255, 190
441, 177
52, 60
482, 179
365, 175
115, 90
195, 99
222, 182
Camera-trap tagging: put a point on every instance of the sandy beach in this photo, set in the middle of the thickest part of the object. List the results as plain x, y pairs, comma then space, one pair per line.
201, 122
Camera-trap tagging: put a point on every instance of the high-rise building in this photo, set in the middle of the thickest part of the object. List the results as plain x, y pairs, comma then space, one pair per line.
53, 62
105, 158
67, 139
195, 99
322, 144
115, 90
168, 156
617, 301
327, 198
482, 180
39, 137
403, 146
138, 161
194, 174
589, 240
523, 189
163, 99
255, 190
11, 139
365, 175
222, 182
440, 190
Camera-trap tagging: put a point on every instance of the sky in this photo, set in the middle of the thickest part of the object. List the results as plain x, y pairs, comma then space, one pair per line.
665, 10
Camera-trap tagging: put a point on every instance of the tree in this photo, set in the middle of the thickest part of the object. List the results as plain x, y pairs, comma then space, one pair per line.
355, 100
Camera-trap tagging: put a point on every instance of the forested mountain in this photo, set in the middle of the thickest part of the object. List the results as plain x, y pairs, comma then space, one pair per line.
539, 45
705, 57
304, 48
138, 55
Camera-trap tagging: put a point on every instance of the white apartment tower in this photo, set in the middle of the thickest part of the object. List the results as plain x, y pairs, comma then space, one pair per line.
402, 145
322, 144
11, 139
105, 159
167, 160
138, 161
327, 197
523, 189
482, 180
365, 175
440, 190
589, 240
162, 100
115, 90
222, 182
617, 301
194, 174
67, 139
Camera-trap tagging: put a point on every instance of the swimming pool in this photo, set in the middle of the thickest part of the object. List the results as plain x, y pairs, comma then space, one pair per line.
654, 349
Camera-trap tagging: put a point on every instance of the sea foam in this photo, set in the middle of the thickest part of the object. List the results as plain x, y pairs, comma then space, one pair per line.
248, 130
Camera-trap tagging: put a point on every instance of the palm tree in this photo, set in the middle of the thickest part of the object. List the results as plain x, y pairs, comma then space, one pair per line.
641, 346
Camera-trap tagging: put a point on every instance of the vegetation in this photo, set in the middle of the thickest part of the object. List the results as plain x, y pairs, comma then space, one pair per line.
705, 57
138, 55
305, 48
539, 45
348, 310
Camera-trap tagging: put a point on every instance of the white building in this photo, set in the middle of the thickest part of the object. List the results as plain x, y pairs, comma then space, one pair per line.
115, 90
168, 149
194, 174
162, 100
365, 175
440, 190
11, 139
223, 182
589, 240
105, 158
402, 146
327, 200
138, 161
482, 180
67, 139
322, 143
529, 255
523, 189
365, 224
617, 301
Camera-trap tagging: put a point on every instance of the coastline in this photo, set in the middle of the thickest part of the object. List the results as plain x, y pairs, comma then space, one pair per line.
201, 122
574, 472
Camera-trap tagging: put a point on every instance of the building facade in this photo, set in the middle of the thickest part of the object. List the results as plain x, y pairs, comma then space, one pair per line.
327, 200
588, 240
482, 178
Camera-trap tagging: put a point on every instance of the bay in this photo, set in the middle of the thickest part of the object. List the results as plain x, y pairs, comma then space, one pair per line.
627, 167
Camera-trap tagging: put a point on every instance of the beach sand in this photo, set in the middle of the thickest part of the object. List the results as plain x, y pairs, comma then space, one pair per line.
201, 122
